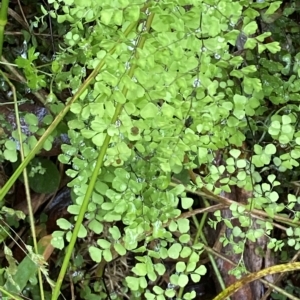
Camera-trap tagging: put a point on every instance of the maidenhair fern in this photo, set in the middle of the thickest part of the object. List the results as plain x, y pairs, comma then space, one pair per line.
187, 88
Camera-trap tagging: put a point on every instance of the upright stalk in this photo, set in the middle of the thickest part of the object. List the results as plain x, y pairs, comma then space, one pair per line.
26, 182
3, 21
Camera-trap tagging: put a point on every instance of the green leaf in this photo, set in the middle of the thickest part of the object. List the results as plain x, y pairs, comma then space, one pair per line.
119, 97
119, 184
118, 18
57, 239
64, 224
132, 283
273, 196
74, 209
106, 16
183, 225
44, 177
31, 119
186, 252
120, 249
115, 232
213, 25
132, 13
95, 226
183, 280
235, 153
95, 253
174, 250
104, 244
170, 293
22, 62
273, 7
273, 47
249, 69
195, 277
158, 290
292, 198
140, 269
160, 269
237, 231
241, 163
271, 178
143, 282
202, 152
152, 275
61, 18
184, 238
173, 226
201, 270
289, 231
25, 272
250, 28
180, 267
270, 149
82, 232
178, 190
228, 223
189, 296
191, 266
250, 43
10, 155
186, 203
149, 296
149, 111
107, 255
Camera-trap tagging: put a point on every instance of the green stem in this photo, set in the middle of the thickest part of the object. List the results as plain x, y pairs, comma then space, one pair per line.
26, 182
8, 294
82, 211
94, 177
27, 189
3, 21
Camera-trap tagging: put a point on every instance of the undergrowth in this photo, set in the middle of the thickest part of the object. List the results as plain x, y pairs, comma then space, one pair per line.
158, 91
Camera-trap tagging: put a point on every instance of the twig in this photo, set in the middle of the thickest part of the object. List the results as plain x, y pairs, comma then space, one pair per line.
279, 277
204, 192
267, 283
23, 15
